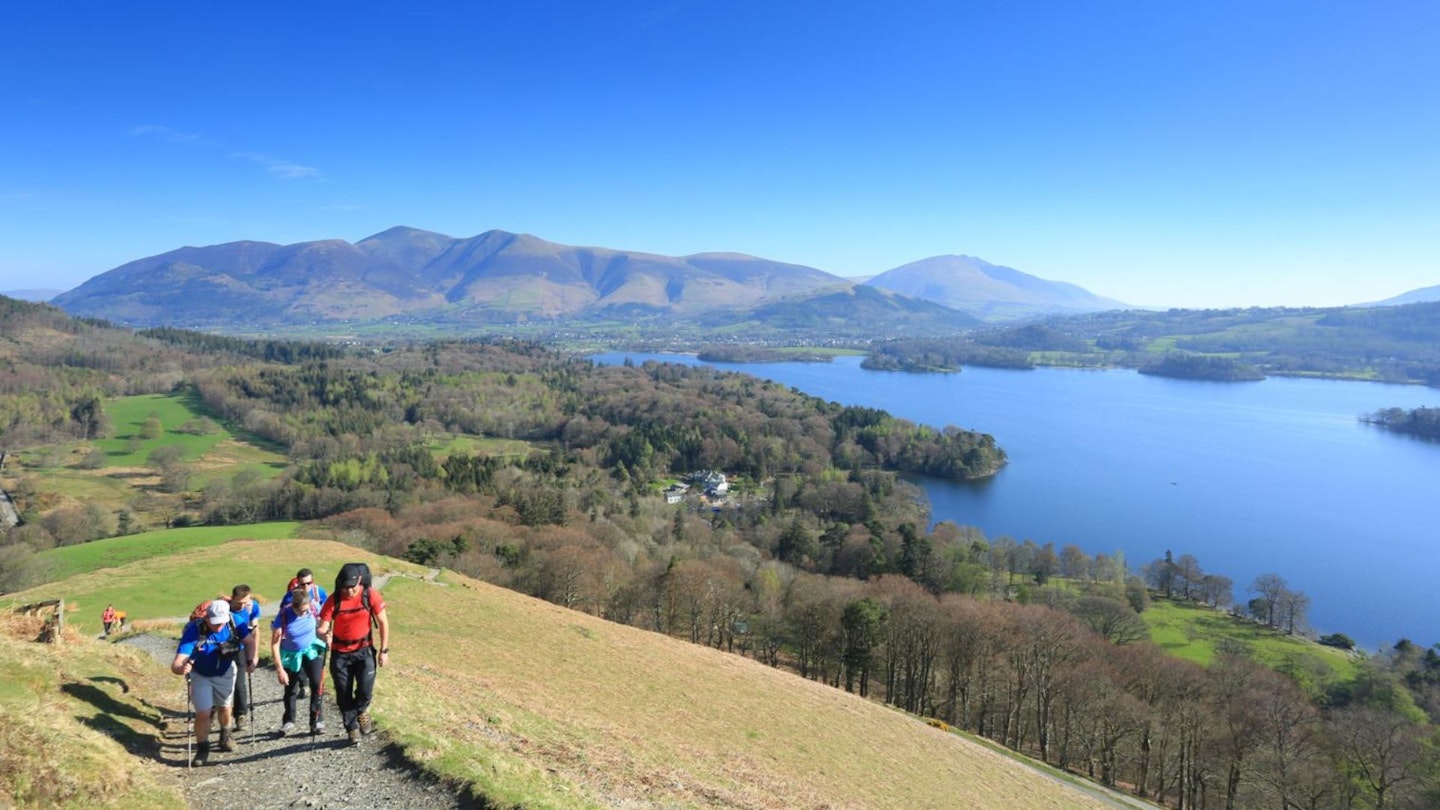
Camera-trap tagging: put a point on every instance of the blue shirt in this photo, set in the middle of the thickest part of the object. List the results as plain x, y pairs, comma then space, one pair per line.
206, 652
297, 629
317, 598
248, 616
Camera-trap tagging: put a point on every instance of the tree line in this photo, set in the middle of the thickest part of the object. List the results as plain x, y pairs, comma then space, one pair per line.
1424, 422
1040, 650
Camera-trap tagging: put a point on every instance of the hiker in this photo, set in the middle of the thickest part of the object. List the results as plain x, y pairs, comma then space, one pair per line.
108, 619
246, 613
346, 619
206, 656
305, 578
299, 655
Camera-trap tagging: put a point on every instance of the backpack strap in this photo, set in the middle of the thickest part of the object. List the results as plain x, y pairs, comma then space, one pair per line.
369, 636
365, 596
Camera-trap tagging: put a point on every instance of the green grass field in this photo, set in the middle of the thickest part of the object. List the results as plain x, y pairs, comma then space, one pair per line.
128, 416
511, 448
1197, 633
68, 561
119, 476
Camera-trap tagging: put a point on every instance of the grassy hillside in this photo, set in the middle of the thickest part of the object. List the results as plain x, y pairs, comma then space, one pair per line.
531, 705
76, 726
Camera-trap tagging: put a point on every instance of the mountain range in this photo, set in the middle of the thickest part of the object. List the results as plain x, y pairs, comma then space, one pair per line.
500, 277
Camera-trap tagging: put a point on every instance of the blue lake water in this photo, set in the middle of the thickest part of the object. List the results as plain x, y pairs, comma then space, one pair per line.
1266, 477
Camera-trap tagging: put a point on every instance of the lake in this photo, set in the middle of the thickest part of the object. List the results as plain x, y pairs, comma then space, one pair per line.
1262, 477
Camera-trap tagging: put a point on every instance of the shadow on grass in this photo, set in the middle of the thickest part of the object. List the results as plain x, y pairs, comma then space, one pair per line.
106, 704
136, 743
120, 682
109, 713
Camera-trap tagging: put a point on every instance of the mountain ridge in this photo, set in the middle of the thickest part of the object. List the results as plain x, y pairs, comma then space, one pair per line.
405, 270
988, 291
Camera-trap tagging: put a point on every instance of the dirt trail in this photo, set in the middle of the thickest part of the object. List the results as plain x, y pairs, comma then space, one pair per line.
274, 771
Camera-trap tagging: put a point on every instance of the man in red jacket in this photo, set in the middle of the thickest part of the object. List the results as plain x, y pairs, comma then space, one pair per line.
354, 655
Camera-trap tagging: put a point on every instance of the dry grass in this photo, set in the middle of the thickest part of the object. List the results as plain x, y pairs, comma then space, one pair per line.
543, 707
70, 720
532, 705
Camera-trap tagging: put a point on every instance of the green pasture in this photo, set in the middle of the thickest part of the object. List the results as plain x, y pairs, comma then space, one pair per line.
128, 416
1197, 633
68, 561
511, 448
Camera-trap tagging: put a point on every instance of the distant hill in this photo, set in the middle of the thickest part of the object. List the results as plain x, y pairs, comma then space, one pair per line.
1424, 295
851, 310
990, 292
31, 295
493, 277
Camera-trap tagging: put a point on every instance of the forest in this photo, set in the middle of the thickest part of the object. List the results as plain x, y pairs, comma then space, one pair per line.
544, 473
1192, 366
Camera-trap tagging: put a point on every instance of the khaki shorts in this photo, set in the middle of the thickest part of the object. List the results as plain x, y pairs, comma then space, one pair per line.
209, 691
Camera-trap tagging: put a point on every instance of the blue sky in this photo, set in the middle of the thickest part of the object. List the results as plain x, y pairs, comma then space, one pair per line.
1177, 154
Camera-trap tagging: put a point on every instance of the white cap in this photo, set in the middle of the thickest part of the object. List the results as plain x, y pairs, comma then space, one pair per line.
218, 613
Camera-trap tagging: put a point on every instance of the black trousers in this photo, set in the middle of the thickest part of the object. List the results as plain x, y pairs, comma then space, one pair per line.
312, 672
242, 687
354, 674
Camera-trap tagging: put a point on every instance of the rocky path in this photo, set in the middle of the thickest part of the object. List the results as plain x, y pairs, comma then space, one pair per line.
296, 771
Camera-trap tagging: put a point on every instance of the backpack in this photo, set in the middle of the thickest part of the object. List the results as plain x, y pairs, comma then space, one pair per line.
198, 616
361, 570
202, 609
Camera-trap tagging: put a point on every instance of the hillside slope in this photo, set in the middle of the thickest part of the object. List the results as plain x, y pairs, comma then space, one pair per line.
533, 705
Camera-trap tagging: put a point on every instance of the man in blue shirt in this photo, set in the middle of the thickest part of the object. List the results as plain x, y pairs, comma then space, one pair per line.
245, 611
305, 578
206, 655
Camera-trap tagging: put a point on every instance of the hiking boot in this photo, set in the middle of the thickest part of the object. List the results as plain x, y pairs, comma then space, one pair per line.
202, 755
354, 735
240, 722
287, 727
365, 725
227, 741
317, 727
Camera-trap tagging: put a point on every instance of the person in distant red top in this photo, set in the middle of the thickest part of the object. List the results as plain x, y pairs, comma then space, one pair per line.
353, 653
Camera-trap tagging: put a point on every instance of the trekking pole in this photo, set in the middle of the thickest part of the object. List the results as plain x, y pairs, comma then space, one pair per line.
250, 700
189, 723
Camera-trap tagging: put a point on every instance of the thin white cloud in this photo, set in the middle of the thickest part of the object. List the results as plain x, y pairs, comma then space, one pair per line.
165, 133
272, 165
278, 167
